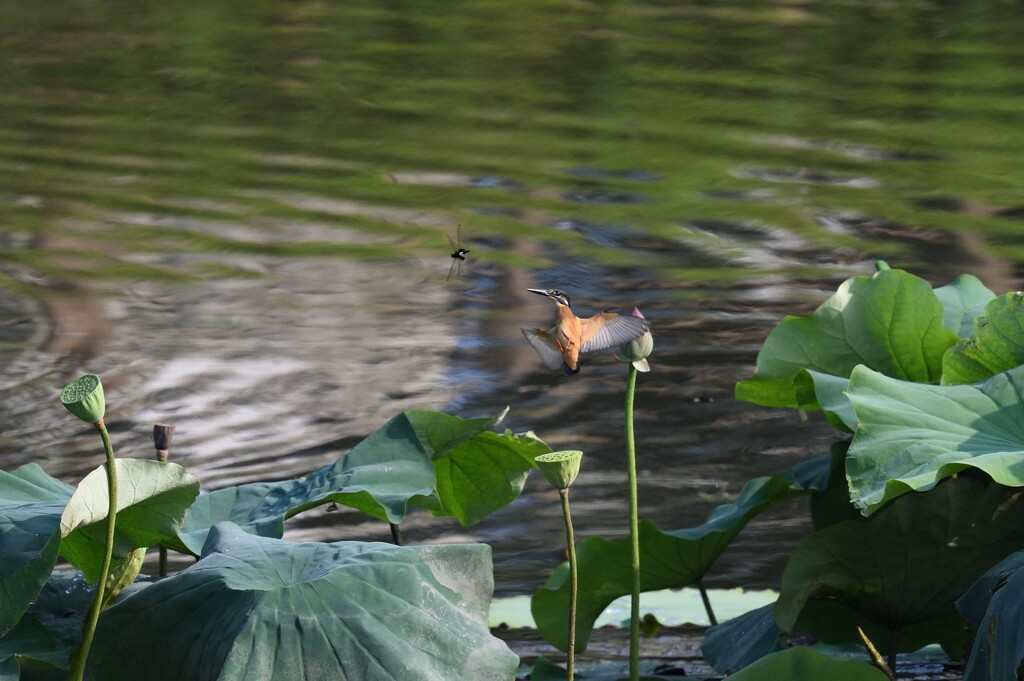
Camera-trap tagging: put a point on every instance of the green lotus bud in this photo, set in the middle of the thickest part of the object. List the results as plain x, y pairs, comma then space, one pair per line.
560, 468
84, 398
638, 349
123, 572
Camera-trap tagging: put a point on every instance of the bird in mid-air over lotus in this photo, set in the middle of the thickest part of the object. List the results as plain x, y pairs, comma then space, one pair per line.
458, 254
561, 345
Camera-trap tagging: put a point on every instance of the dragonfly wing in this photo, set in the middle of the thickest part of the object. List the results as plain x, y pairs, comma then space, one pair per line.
451, 269
607, 329
455, 246
545, 347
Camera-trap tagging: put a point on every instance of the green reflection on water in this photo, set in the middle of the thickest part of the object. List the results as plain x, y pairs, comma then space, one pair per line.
752, 113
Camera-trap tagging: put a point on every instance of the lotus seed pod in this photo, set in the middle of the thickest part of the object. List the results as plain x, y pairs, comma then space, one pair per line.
84, 398
881, 266
560, 468
163, 433
638, 349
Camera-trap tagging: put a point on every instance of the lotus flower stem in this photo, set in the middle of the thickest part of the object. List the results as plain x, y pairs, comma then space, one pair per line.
707, 603
560, 469
570, 542
396, 534
77, 668
634, 533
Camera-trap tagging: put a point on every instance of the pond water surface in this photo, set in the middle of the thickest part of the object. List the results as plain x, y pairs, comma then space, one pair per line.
237, 214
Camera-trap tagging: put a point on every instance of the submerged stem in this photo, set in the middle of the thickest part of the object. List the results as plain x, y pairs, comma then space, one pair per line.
570, 541
634, 534
77, 669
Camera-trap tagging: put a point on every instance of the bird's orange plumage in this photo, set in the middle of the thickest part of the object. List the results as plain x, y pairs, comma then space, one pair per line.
571, 335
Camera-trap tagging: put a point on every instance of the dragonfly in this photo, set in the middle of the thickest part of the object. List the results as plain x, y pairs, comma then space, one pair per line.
458, 254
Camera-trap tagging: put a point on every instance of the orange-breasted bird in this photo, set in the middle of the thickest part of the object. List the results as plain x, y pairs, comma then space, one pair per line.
561, 345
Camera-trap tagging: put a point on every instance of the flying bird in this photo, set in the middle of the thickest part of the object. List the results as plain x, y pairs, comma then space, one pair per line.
561, 345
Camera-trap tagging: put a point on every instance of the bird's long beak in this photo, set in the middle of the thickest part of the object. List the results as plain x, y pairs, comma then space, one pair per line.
541, 291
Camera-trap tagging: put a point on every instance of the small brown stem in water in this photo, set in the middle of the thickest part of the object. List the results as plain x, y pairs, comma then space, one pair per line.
163, 433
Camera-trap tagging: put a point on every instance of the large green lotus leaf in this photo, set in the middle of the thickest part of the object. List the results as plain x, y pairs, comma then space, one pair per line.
668, 560
152, 500
482, 474
245, 505
806, 664
450, 465
830, 502
891, 321
885, 566
408, 462
61, 608
31, 503
378, 476
831, 621
29, 639
477, 471
829, 392
41, 644
974, 604
993, 607
910, 436
997, 343
814, 474
439, 433
256, 608
732, 645
739, 642
963, 301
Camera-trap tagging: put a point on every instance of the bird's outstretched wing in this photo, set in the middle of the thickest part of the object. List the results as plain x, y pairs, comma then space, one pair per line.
607, 329
542, 342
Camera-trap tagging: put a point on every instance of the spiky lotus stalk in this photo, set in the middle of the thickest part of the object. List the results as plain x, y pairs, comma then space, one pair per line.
84, 398
561, 469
